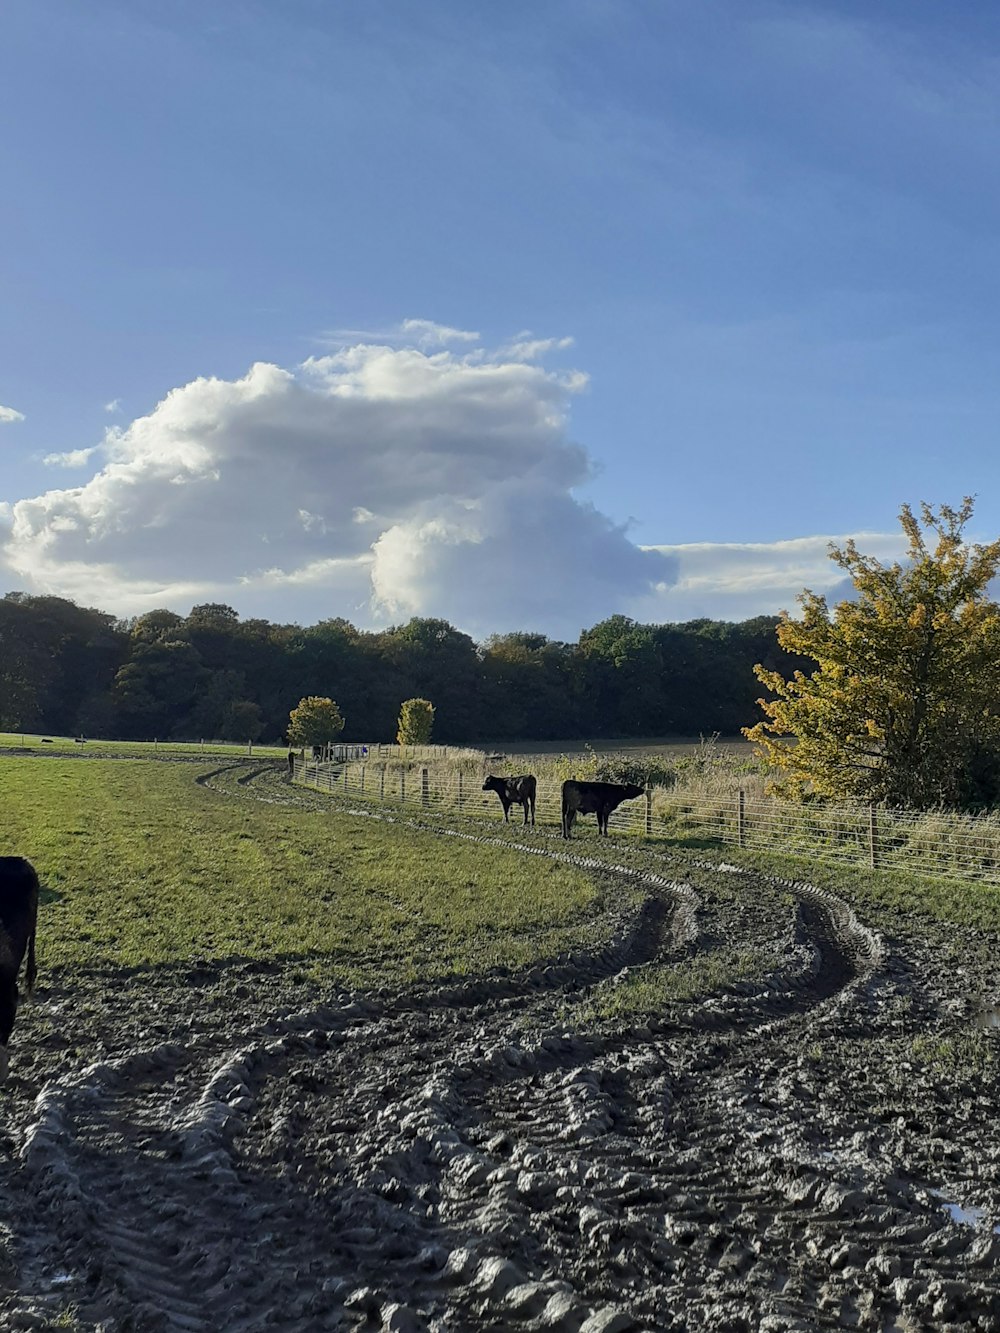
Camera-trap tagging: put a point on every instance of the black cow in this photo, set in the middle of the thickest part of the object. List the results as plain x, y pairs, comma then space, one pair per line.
18, 917
514, 791
318, 751
594, 798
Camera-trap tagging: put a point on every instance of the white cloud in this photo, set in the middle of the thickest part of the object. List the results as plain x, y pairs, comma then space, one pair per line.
10, 414
376, 481
113, 406
72, 458
426, 333
526, 348
422, 333
736, 580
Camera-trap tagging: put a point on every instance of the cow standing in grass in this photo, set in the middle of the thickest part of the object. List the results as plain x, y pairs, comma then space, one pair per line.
514, 791
594, 798
18, 918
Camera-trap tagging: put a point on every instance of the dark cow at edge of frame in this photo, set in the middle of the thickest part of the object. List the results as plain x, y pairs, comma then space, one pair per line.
594, 798
18, 919
514, 791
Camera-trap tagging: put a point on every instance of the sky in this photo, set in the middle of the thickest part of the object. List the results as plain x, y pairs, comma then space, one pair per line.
520, 315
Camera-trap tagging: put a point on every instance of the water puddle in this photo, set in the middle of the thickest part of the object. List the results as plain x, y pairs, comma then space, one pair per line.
963, 1215
958, 1212
989, 1017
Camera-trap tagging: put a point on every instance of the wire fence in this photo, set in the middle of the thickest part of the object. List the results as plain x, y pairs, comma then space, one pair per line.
936, 843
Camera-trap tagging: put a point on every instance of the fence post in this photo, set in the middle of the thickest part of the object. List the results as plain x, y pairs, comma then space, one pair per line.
872, 837
362, 779
461, 792
425, 793
649, 812
344, 771
381, 784
249, 748
741, 819
402, 786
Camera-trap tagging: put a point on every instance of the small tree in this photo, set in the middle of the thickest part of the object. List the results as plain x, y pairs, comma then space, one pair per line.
905, 703
316, 721
416, 719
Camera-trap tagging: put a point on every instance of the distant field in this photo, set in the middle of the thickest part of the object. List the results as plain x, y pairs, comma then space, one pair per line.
665, 745
46, 741
142, 866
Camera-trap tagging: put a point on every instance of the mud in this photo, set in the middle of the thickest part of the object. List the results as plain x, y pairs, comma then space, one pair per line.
221, 1147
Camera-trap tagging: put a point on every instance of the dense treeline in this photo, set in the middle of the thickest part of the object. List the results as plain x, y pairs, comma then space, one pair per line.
71, 670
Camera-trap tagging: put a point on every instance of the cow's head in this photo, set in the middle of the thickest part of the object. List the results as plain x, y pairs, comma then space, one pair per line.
632, 791
494, 784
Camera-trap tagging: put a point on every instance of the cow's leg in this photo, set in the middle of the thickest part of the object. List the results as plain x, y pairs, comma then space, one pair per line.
8, 1011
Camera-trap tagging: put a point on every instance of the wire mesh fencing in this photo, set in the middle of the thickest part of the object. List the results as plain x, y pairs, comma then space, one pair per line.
941, 843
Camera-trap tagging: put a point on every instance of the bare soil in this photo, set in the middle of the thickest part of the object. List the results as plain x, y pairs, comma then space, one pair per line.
221, 1147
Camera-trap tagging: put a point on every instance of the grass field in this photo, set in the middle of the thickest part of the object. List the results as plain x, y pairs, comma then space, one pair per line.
668, 746
47, 743
141, 866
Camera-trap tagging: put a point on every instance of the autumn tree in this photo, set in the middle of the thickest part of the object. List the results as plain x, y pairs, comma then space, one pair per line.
316, 721
904, 705
416, 719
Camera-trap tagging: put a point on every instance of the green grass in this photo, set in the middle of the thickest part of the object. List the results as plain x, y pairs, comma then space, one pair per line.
141, 866
649, 989
54, 744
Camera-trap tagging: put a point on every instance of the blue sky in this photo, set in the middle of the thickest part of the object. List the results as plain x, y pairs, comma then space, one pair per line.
770, 232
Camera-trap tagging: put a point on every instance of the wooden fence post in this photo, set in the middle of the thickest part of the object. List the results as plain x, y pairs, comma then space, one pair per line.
362, 779
741, 820
649, 812
461, 793
381, 783
425, 793
872, 837
402, 786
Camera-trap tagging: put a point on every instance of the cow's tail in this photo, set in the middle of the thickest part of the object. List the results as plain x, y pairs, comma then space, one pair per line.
31, 971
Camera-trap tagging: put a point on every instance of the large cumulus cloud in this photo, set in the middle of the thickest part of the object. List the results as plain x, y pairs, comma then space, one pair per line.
384, 479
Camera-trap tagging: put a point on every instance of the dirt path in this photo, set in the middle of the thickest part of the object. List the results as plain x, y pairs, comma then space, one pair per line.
490, 1156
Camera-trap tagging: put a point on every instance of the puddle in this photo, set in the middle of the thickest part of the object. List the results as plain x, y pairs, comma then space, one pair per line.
960, 1214
990, 1017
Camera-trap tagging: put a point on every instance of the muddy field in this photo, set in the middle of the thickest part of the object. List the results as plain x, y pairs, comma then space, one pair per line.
223, 1148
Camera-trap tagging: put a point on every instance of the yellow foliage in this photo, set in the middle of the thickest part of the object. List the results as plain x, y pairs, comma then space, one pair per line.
906, 690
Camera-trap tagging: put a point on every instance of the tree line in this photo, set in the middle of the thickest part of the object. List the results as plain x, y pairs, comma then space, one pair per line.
73, 670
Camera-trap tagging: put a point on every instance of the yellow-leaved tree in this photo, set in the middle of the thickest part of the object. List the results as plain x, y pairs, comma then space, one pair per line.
416, 720
315, 721
904, 705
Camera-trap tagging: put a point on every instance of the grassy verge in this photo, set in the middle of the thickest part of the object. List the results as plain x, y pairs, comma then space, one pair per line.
141, 867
